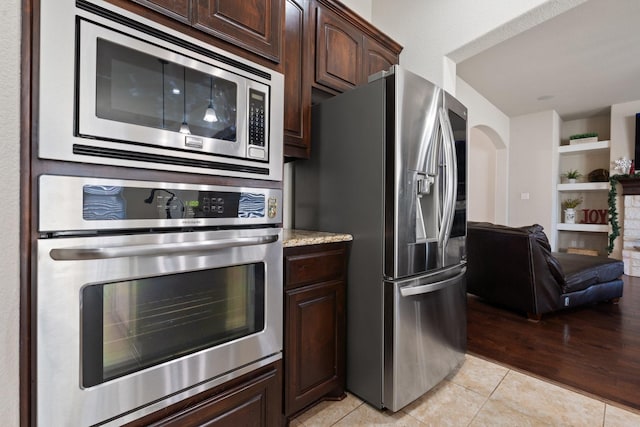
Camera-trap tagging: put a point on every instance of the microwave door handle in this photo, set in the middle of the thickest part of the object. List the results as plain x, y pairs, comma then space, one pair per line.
74, 254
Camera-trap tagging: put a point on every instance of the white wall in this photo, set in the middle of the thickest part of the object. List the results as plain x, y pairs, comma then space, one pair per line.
361, 7
494, 125
430, 30
597, 124
533, 169
481, 183
10, 224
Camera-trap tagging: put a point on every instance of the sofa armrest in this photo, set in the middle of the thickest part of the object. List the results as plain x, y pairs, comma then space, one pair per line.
510, 266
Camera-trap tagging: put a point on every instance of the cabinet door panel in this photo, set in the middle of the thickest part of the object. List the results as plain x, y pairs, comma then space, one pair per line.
254, 25
314, 347
376, 58
177, 9
296, 94
314, 267
338, 52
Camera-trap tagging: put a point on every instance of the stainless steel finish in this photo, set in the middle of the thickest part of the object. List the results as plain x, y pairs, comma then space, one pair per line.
57, 87
425, 339
192, 391
58, 324
422, 285
60, 205
451, 180
384, 170
76, 254
90, 124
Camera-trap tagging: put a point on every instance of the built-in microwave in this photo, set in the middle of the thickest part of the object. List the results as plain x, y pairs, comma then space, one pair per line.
121, 90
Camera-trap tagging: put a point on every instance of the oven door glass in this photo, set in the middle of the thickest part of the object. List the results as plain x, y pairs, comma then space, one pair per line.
130, 325
140, 89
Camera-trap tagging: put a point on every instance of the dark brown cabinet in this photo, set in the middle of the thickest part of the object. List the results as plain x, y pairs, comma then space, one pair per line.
254, 399
177, 9
339, 48
297, 90
254, 25
328, 49
314, 319
377, 57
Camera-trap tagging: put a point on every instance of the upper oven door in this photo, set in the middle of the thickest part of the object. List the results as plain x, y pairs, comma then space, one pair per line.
135, 91
126, 321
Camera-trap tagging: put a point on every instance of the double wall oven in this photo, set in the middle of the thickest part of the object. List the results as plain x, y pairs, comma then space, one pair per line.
148, 292
130, 322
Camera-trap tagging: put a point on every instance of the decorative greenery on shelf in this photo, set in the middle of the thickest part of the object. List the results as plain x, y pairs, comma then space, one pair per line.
584, 135
613, 212
572, 174
571, 203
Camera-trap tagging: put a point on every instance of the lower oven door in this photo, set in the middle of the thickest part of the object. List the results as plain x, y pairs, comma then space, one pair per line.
129, 324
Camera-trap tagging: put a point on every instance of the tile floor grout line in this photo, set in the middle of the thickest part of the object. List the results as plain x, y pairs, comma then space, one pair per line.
348, 413
488, 397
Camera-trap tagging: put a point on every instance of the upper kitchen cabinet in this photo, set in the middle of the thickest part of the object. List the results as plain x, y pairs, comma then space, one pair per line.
251, 25
254, 25
347, 48
377, 57
177, 9
297, 88
328, 49
339, 50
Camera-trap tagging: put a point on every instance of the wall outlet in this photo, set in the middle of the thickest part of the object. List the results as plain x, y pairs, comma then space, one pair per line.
524, 196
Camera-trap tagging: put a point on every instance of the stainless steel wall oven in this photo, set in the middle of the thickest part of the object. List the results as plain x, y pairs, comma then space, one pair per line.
118, 89
148, 293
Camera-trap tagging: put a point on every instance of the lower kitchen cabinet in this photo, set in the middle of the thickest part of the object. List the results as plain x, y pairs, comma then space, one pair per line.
314, 325
255, 399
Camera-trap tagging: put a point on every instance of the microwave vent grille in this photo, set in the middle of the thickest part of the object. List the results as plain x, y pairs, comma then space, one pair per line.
157, 158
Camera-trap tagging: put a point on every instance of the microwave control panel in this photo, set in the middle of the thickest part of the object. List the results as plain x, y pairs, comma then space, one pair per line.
257, 118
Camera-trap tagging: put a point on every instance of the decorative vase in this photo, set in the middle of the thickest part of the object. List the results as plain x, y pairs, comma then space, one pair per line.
570, 216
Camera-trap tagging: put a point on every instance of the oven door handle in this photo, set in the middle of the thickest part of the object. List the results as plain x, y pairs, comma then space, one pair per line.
74, 254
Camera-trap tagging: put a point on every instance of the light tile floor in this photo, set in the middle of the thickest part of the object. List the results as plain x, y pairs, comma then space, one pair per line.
480, 393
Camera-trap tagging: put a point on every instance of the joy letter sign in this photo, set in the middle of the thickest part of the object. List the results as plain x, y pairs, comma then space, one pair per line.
595, 216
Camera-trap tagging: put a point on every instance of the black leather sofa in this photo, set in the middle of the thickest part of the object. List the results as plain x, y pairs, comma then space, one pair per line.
515, 268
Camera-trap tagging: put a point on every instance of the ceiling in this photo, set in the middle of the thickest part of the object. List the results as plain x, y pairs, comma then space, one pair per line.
578, 63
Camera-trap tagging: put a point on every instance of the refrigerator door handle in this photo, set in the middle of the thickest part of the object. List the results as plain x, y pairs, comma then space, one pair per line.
451, 178
410, 290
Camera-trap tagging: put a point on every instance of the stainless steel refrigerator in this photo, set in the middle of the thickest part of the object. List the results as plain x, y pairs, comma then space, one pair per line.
388, 165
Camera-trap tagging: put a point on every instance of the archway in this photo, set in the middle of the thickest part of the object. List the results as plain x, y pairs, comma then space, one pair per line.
487, 188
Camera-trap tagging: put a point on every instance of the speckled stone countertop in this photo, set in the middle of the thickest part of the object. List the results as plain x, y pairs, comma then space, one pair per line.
305, 237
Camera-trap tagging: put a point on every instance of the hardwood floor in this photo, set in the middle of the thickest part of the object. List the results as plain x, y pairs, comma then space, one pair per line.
594, 349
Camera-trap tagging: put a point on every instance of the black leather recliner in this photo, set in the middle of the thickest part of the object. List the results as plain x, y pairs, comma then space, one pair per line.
515, 268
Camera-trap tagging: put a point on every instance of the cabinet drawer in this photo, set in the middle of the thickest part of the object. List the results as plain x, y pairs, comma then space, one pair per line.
308, 264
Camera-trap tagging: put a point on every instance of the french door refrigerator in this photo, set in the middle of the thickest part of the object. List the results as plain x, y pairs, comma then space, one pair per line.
388, 165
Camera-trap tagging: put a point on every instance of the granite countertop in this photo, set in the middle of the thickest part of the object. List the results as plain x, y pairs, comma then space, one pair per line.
294, 237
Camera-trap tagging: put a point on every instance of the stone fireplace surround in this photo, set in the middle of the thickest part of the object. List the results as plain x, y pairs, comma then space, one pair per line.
631, 226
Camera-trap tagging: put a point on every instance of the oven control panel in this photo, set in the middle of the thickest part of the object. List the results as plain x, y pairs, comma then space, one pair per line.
134, 203
94, 203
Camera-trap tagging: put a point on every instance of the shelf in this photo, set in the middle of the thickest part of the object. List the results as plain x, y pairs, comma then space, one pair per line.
581, 148
596, 228
584, 186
